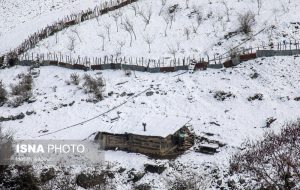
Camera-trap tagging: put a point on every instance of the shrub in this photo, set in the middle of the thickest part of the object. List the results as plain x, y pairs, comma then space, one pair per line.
274, 162
19, 100
192, 182
94, 85
75, 78
3, 93
1, 61
5, 145
142, 187
18, 177
24, 86
221, 95
257, 96
23, 90
60, 180
14, 177
246, 22
11, 59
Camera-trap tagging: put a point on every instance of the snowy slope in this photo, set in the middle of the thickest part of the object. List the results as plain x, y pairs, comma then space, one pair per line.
186, 96
20, 18
175, 99
190, 96
275, 18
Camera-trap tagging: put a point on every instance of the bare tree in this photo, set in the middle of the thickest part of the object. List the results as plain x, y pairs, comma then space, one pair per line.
199, 18
259, 6
275, 12
168, 18
146, 16
187, 33
187, 4
117, 52
173, 51
285, 7
163, 4
227, 10
116, 15
274, 162
97, 19
135, 8
128, 27
172, 10
121, 45
246, 22
171, 18
71, 45
167, 21
75, 31
194, 29
56, 37
101, 35
224, 25
178, 45
149, 40
214, 28
107, 27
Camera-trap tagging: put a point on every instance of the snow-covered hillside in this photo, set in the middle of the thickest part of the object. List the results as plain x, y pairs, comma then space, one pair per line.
222, 107
20, 18
195, 28
185, 96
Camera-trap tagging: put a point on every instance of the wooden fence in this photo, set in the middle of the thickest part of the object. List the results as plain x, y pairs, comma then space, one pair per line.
88, 61
227, 59
158, 65
246, 53
68, 21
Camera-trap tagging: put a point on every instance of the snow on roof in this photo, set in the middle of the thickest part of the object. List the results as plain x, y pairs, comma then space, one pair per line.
156, 125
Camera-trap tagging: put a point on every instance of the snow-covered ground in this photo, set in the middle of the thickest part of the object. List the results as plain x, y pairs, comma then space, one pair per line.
21, 18
274, 17
188, 96
173, 98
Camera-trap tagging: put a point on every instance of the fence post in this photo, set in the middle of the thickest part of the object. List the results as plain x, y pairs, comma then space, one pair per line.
284, 46
208, 59
215, 58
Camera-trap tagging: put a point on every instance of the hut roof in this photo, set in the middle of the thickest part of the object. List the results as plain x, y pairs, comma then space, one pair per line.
156, 125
